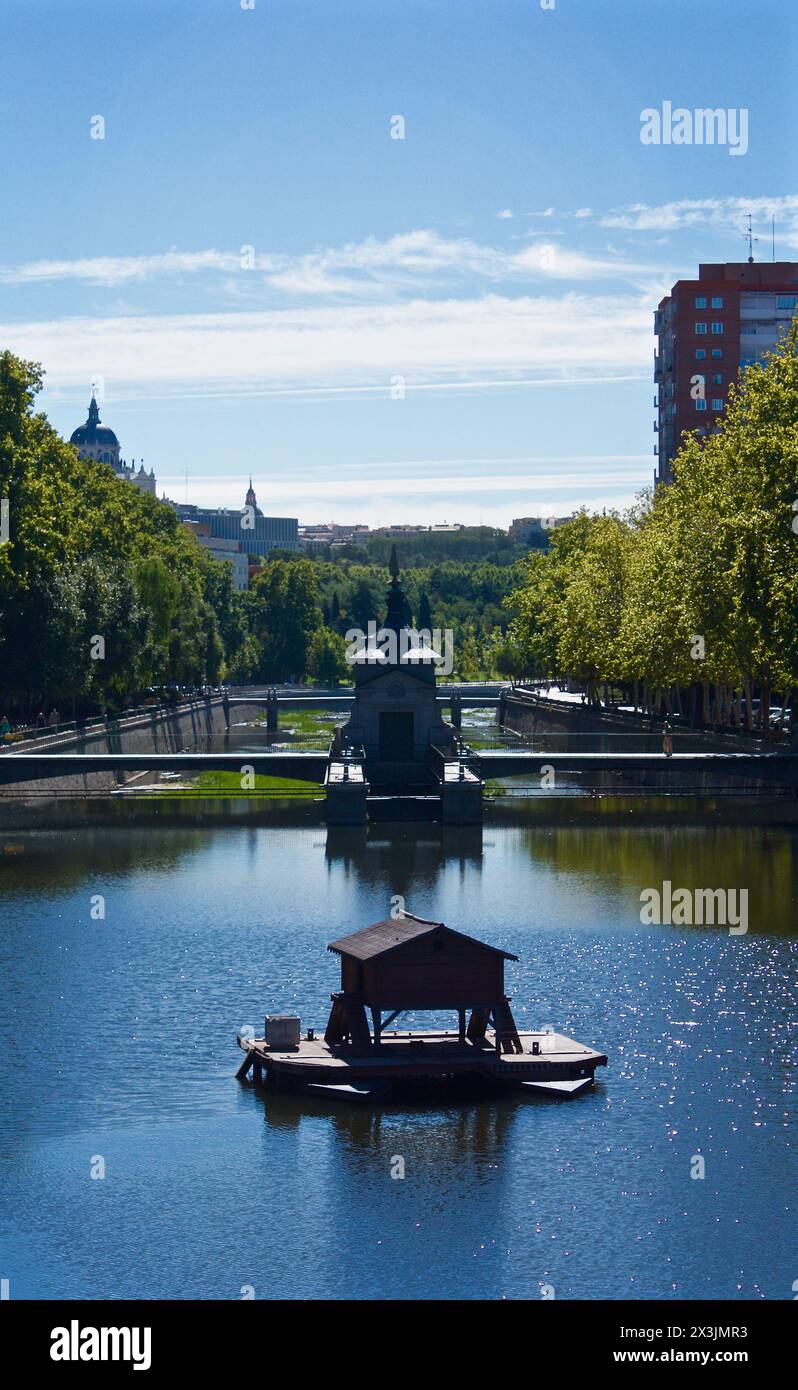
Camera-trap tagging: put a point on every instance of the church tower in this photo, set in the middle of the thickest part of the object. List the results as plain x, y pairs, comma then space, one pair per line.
96, 441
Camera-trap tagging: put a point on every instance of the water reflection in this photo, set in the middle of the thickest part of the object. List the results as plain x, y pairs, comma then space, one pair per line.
430, 1133
549, 864
406, 855
118, 1037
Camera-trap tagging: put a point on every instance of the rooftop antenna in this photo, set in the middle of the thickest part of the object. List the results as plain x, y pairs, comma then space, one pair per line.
751, 239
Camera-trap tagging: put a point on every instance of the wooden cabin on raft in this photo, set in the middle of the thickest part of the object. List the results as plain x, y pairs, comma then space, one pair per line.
406, 964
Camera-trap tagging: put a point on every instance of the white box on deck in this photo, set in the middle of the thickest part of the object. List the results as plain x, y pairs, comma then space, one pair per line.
282, 1030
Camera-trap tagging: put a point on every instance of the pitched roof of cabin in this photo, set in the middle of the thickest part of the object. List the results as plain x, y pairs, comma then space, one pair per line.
393, 932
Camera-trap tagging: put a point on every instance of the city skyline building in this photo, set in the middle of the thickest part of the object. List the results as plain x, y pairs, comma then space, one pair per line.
707, 329
256, 533
239, 533
223, 550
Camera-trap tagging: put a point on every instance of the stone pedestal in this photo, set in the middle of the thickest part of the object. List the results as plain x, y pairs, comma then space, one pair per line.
461, 796
346, 794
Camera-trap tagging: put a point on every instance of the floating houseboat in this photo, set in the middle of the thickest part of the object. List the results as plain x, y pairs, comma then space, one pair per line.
407, 964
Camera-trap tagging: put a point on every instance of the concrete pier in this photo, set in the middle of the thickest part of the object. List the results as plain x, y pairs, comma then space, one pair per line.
461, 794
346, 793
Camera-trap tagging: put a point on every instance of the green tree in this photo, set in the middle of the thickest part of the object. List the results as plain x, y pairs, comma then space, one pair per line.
286, 613
424, 620
327, 657
365, 603
696, 589
90, 556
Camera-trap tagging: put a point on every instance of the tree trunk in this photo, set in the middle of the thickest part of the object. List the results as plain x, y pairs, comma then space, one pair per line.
764, 709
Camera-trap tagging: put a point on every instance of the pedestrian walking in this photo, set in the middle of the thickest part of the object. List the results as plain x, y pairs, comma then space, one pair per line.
667, 739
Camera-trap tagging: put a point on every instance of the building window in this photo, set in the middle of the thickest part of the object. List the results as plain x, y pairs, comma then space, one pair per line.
700, 328
787, 301
700, 405
717, 379
701, 302
717, 301
717, 328
700, 353
717, 402
717, 352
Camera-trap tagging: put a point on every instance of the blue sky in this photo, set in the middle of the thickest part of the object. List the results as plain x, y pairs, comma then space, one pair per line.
456, 325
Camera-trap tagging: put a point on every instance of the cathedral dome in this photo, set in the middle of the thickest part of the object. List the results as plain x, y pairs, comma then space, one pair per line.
93, 432
84, 434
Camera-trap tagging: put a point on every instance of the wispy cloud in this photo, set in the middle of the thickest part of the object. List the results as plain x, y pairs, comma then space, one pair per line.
116, 270
727, 213
558, 474
357, 268
413, 490
428, 340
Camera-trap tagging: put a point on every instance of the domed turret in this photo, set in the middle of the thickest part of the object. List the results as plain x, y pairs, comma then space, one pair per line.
96, 441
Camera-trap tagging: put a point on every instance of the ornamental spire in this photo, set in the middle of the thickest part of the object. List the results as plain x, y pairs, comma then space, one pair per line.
396, 617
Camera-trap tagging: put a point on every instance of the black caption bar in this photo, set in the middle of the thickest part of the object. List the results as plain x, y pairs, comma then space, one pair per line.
151, 1340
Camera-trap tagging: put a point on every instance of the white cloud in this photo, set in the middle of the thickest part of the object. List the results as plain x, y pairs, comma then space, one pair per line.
308, 280
699, 212
357, 268
429, 340
558, 263
506, 212
114, 270
420, 490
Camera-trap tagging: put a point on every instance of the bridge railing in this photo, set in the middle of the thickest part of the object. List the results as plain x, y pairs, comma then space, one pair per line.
465, 759
346, 765
94, 723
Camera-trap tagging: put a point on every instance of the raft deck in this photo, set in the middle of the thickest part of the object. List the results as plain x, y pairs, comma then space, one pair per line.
404, 1056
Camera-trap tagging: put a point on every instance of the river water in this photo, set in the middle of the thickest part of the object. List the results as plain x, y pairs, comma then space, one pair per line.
118, 1047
